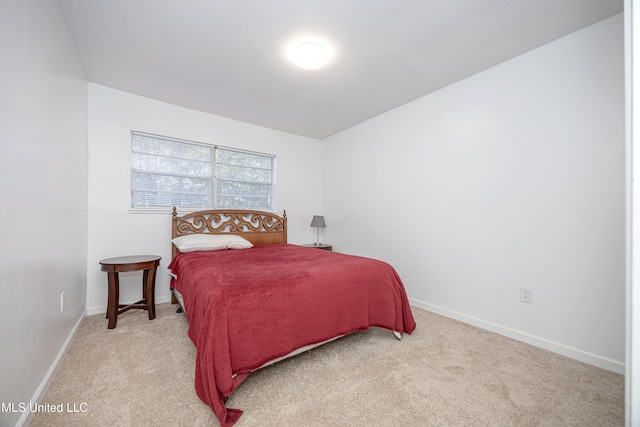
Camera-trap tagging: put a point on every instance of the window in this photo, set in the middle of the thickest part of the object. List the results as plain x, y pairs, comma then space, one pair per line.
169, 172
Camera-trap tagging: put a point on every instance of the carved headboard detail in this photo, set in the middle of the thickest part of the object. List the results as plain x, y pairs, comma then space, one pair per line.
258, 227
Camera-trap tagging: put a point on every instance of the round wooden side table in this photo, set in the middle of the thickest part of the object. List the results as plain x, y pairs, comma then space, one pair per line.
148, 264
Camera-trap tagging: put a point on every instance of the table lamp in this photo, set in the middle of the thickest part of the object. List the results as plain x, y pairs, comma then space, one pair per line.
318, 222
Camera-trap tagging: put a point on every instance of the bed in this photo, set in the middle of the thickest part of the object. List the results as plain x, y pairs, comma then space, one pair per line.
261, 299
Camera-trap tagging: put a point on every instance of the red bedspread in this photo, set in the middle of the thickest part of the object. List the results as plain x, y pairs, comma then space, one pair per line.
248, 307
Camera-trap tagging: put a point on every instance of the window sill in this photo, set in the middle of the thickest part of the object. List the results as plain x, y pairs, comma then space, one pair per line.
163, 210
183, 211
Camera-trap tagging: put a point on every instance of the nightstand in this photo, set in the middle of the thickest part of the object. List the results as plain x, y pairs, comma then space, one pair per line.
324, 246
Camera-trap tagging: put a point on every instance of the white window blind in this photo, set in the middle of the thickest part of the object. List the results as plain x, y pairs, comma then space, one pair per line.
172, 172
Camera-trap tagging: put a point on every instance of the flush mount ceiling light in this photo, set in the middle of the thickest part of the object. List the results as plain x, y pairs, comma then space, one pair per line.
309, 56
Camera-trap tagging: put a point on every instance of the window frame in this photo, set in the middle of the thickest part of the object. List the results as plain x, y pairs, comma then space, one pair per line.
214, 179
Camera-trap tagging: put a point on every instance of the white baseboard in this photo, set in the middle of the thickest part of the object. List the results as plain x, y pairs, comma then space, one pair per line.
27, 416
582, 356
103, 308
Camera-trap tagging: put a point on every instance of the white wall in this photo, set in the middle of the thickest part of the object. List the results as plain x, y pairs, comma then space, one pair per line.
513, 178
43, 185
114, 231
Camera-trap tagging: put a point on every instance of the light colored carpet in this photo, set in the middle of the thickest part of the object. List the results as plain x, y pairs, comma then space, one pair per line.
446, 373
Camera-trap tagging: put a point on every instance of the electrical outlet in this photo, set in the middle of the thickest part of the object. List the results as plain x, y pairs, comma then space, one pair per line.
526, 295
61, 302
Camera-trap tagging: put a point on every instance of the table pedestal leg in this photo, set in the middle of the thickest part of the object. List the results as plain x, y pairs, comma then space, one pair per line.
148, 291
113, 298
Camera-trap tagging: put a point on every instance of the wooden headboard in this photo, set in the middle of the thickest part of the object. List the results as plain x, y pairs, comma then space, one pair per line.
258, 227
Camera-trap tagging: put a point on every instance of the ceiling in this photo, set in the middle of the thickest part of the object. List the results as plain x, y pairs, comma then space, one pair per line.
228, 57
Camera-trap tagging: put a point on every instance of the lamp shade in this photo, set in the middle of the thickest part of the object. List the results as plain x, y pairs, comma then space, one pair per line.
318, 221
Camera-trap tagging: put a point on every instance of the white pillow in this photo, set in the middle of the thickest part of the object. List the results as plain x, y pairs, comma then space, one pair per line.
201, 242
238, 242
